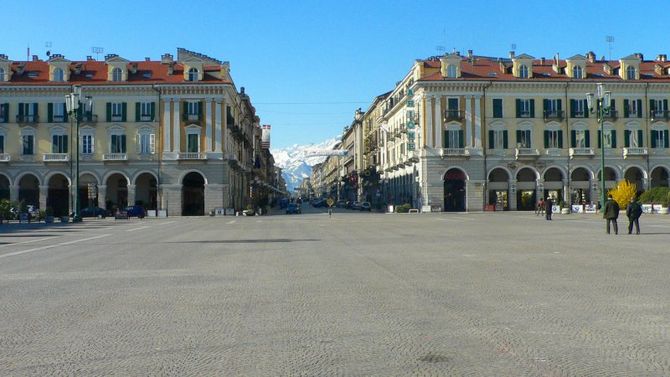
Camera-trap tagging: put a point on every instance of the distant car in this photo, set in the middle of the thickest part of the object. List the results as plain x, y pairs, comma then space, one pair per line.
136, 211
293, 208
93, 212
341, 204
365, 206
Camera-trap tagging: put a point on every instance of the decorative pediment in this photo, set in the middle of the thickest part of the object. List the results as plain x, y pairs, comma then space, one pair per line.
524, 57
113, 58
577, 57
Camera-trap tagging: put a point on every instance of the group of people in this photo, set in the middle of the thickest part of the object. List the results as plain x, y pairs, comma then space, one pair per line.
610, 213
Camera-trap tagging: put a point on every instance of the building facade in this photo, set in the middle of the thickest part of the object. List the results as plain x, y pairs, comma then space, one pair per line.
173, 134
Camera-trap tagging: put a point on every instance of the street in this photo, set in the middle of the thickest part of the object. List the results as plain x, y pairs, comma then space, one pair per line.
358, 294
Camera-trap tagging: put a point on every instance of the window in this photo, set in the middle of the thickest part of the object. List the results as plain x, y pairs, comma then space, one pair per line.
578, 108
193, 74
28, 143
523, 71
553, 139
609, 138
631, 73
117, 112
525, 108
87, 143
451, 71
2, 74
144, 111
28, 112
659, 139
633, 139
4, 113
59, 143
193, 108
632, 108
658, 108
58, 114
452, 112
117, 143
523, 139
146, 142
552, 108
58, 75
498, 139
193, 139
497, 108
577, 72
2, 143
453, 138
117, 74
580, 139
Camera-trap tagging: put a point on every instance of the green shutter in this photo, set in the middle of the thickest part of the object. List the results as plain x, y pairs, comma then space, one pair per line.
518, 136
546, 139
497, 108
36, 110
184, 112
460, 139
613, 133
560, 139
491, 145
545, 106
652, 105
639, 108
109, 111
626, 138
518, 108
446, 139
505, 144
6, 112
65, 114
124, 111
640, 139
137, 111
50, 112
572, 108
586, 108
21, 106
653, 138
65, 146
625, 108
600, 139
54, 142
587, 139
559, 107
665, 139
573, 139
153, 111
612, 104
123, 143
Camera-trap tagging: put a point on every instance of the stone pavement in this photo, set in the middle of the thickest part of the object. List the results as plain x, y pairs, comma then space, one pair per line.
495, 294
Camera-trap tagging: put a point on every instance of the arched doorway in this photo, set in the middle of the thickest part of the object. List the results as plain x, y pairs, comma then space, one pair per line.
58, 195
553, 184
117, 192
88, 191
581, 184
659, 177
498, 189
146, 191
29, 190
4, 187
193, 195
526, 180
454, 190
610, 178
635, 175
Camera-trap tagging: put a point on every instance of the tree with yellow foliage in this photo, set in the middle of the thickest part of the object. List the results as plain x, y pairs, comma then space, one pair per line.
623, 192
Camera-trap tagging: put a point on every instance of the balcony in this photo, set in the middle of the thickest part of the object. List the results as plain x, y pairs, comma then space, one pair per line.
628, 152
192, 117
656, 115
115, 157
581, 152
525, 153
579, 114
454, 152
58, 118
556, 115
611, 115
553, 152
5, 157
453, 115
146, 118
192, 156
89, 118
27, 119
116, 118
56, 157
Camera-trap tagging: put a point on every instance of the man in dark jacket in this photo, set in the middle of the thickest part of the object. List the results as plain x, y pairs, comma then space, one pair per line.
611, 213
548, 207
633, 211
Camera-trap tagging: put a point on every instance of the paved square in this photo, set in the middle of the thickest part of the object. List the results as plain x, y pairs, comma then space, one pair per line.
495, 294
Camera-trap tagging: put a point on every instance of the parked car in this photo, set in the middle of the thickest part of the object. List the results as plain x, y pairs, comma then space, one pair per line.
365, 206
341, 204
93, 212
136, 211
293, 208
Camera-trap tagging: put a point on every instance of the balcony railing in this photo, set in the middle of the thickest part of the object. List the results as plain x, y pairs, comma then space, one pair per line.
115, 156
659, 115
58, 118
554, 152
116, 118
192, 155
453, 115
56, 157
576, 152
553, 115
634, 152
611, 114
146, 118
5, 157
454, 152
579, 114
27, 118
89, 118
526, 153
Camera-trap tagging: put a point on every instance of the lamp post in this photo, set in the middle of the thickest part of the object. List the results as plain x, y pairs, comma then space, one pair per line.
73, 105
600, 103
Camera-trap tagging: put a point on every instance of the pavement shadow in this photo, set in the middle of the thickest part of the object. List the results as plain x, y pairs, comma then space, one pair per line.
272, 240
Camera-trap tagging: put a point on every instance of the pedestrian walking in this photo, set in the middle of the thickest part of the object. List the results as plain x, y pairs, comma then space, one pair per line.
611, 213
634, 211
540, 207
548, 204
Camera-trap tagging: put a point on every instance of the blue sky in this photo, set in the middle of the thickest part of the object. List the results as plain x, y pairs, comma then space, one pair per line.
307, 65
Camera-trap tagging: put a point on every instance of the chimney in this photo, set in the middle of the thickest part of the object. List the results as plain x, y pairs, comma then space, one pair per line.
89, 58
469, 54
662, 58
511, 55
133, 68
166, 58
639, 55
147, 59
170, 69
542, 60
591, 57
109, 56
3, 56
36, 58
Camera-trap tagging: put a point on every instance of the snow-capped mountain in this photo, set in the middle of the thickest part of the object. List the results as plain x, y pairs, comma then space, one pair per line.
296, 162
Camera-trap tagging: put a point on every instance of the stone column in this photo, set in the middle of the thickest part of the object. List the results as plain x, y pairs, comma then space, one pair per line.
131, 195
213, 196
539, 189
429, 122
176, 129
478, 122
44, 193
14, 193
166, 126
172, 199
102, 196
512, 194
218, 124
566, 191
439, 130
468, 122
208, 125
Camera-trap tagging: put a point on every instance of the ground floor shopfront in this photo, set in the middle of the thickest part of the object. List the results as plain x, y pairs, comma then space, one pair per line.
182, 189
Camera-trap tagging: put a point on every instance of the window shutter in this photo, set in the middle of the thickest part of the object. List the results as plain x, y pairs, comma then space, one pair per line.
532, 108
123, 143
587, 139
665, 105
460, 139
505, 144
518, 136
600, 139
665, 139
559, 106
50, 112
124, 111
545, 105
109, 111
137, 111
560, 138
518, 108
184, 112
65, 144
21, 105
653, 138
6, 112
586, 108
613, 133
138, 141
573, 139
201, 106
652, 105
612, 104
572, 108
54, 141
446, 139
625, 108
626, 138
491, 144
153, 111
546, 139
639, 108
497, 108
640, 139
152, 143
36, 110
65, 114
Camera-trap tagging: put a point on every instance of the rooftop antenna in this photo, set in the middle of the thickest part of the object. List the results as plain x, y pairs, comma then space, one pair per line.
609, 39
97, 51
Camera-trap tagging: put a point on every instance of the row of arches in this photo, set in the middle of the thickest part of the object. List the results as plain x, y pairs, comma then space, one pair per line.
115, 190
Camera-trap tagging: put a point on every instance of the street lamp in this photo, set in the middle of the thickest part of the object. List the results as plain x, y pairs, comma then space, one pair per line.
600, 103
73, 105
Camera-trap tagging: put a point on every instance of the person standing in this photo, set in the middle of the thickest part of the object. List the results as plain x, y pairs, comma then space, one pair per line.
548, 204
611, 213
634, 211
540, 207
